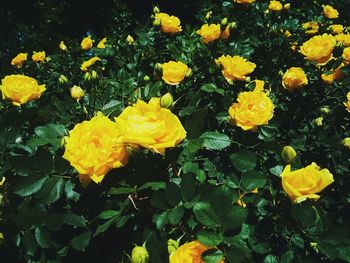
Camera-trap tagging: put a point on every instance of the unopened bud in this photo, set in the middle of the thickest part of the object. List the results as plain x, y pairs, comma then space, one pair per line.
156, 22
63, 79
87, 76
139, 255
325, 110
288, 154
189, 73
346, 142
167, 101
319, 121
94, 74
208, 15
130, 40
156, 9
224, 21
146, 78
286, 6
158, 66
173, 245
76, 92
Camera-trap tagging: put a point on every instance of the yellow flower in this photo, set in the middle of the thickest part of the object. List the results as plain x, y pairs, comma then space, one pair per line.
150, 126
337, 74
168, 24
305, 182
244, 1
76, 92
319, 49
275, 6
346, 55
19, 60
39, 56
95, 147
344, 39
62, 46
287, 33
336, 29
189, 253
174, 72
294, 78
102, 43
330, 12
20, 89
210, 32
226, 32
235, 68
311, 27
130, 40
87, 43
89, 63
347, 104
253, 108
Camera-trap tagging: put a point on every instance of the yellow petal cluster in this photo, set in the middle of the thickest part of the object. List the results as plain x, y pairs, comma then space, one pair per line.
87, 43
244, 1
347, 104
306, 182
95, 147
311, 27
77, 92
150, 126
346, 55
18, 60
39, 56
168, 24
337, 74
86, 64
294, 78
210, 32
235, 67
336, 29
20, 89
252, 109
343, 39
319, 48
174, 72
275, 6
63, 46
330, 12
102, 43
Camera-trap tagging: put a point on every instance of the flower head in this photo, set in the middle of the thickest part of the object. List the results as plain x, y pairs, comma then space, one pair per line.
86, 64
87, 43
244, 1
18, 60
39, 56
347, 104
63, 46
168, 24
275, 6
330, 12
174, 72
102, 43
311, 27
344, 39
77, 92
294, 78
210, 32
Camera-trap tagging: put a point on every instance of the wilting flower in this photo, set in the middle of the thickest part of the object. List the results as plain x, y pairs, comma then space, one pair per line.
102, 43
235, 68
252, 109
330, 12
150, 126
311, 27
174, 72
77, 92
319, 48
18, 60
275, 6
344, 39
294, 78
210, 32
168, 24
87, 43
336, 29
306, 182
20, 89
95, 147
39, 56
244, 1
86, 64
347, 104
63, 46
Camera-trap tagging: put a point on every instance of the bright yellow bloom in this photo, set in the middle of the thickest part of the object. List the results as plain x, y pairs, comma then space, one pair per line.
319, 48
344, 39
337, 74
253, 108
275, 6
95, 147
19, 60
20, 89
86, 64
346, 55
189, 253
306, 182
330, 12
235, 68
150, 126
336, 29
168, 24
311, 27
347, 104
87, 43
76, 92
210, 32
174, 72
63, 46
244, 1
294, 78
39, 56
102, 43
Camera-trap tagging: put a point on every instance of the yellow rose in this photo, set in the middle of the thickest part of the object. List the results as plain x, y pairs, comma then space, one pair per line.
89, 63
20, 89
336, 29
347, 104
346, 55
150, 126
18, 60
189, 253
210, 32
330, 12
275, 6
39, 56
311, 27
319, 49
253, 108
102, 43
95, 147
168, 24
336, 75
235, 68
244, 1
63, 46
344, 39
76, 92
225, 33
174, 72
87, 43
294, 78
305, 182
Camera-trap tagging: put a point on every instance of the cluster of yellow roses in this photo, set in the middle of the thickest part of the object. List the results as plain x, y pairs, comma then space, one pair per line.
19, 60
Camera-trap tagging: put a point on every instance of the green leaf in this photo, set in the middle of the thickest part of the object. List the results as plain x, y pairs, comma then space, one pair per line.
212, 256
205, 214
155, 186
121, 190
51, 190
43, 237
113, 106
244, 161
234, 218
172, 194
188, 184
209, 238
270, 259
253, 179
30, 243
287, 257
74, 220
175, 215
81, 242
108, 214
210, 88
29, 186
215, 140
298, 240
70, 193
161, 219
103, 228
